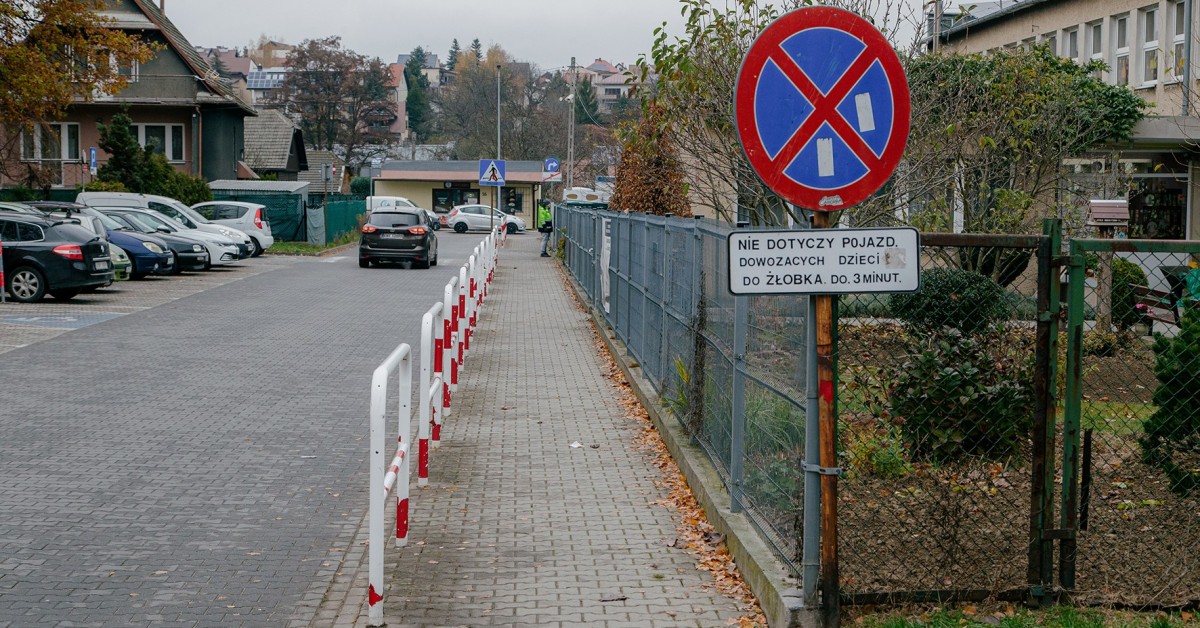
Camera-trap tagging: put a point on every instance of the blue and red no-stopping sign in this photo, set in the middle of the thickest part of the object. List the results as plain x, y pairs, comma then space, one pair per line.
822, 108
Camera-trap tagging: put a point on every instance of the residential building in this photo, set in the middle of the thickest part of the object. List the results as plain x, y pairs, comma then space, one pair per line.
610, 83
271, 54
275, 146
237, 67
178, 104
432, 69
1147, 45
262, 83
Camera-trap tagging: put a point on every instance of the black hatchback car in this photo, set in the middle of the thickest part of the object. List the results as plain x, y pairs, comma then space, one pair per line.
59, 257
398, 235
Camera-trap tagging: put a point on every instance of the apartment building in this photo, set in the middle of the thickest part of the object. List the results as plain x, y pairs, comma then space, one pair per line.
1148, 46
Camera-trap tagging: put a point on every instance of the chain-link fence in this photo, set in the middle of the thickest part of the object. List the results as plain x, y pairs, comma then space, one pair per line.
937, 410
991, 446
1132, 440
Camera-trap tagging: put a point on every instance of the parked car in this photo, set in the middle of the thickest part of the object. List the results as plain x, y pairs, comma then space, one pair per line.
385, 203
150, 255
44, 255
221, 250
464, 217
188, 253
173, 209
397, 235
249, 218
72, 211
19, 208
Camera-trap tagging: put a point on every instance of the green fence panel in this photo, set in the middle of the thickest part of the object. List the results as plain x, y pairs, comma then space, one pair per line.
342, 217
284, 211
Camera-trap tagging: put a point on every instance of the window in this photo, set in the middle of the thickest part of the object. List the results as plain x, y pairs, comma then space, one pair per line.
1071, 44
612, 91
1095, 44
54, 141
1121, 49
1051, 42
1149, 18
1178, 31
17, 231
128, 70
166, 139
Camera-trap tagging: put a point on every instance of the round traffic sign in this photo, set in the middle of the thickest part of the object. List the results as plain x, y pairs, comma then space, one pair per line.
822, 108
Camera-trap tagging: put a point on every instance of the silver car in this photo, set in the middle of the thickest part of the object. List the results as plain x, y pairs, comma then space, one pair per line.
249, 218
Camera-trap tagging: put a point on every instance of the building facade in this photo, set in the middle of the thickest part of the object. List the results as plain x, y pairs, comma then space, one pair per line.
1148, 46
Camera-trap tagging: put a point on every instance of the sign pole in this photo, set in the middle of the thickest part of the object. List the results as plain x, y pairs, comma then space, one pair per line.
828, 436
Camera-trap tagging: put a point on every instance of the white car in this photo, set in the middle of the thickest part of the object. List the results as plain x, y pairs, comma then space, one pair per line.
392, 202
221, 250
464, 217
249, 218
172, 209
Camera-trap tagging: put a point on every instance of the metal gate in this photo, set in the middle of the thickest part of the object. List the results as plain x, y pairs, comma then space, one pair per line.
1130, 511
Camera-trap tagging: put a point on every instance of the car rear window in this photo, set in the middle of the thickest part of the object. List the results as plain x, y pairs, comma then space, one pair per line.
381, 219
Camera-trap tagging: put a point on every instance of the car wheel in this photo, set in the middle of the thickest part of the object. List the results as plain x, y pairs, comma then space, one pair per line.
364, 263
27, 284
256, 249
460, 227
64, 295
511, 227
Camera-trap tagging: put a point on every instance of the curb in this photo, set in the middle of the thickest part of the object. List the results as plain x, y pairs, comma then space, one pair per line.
778, 594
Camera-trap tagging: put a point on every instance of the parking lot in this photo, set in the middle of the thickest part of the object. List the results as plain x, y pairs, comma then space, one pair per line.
191, 450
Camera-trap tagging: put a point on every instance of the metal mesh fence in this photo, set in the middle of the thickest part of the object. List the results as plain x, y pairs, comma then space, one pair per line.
1137, 443
936, 412
972, 436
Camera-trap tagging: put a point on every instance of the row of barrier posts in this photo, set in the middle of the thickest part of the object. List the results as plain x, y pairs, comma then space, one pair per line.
446, 331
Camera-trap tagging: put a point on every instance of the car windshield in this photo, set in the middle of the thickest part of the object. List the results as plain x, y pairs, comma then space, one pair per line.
144, 222
383, 219
175, 225
109, 222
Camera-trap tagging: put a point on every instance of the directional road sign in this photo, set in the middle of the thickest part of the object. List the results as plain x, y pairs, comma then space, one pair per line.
551, 169
822, 108
491, 172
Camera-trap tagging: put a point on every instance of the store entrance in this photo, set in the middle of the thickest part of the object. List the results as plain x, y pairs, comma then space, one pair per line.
445, 199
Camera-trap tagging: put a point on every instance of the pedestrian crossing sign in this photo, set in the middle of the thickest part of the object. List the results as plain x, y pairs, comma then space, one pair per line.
491, 172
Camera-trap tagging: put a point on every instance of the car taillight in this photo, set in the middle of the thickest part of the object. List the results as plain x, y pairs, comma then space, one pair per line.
369, 229
69, 251
258, 218
453, 213
417, 230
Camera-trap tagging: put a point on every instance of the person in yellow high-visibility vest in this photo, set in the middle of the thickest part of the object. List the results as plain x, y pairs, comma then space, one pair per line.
545, 222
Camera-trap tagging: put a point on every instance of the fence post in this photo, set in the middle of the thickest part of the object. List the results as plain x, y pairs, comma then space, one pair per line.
1072, 411
741, 314
1041, 512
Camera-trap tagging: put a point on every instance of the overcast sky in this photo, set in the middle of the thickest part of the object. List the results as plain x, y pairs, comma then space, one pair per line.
546, 32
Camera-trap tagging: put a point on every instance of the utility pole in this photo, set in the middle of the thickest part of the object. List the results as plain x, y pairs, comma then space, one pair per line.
496, 191
571, 132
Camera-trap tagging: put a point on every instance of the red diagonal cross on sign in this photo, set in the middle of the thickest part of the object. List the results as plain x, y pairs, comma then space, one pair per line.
825, 108
776, 102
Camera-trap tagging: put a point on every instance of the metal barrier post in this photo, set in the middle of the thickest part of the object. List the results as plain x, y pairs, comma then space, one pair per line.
399, 361
429, 326
450, 367
460, 321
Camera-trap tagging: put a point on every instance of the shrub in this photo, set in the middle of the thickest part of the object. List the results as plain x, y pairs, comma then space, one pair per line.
1104, 344
1173, 430
186, 189
1124, 301
360, 186
952, 297
106, 186
962, 395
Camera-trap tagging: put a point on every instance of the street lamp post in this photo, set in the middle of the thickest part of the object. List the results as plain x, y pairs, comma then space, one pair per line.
496, 192
571, 132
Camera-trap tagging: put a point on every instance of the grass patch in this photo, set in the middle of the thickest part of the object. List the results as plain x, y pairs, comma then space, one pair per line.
304, 248
1120, 418
1054, 617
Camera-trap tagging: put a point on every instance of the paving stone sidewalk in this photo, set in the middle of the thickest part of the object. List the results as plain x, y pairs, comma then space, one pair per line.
517, 527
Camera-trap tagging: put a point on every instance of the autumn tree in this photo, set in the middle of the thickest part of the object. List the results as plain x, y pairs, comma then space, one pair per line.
650, 177
54, 53
339, 97
468, 110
